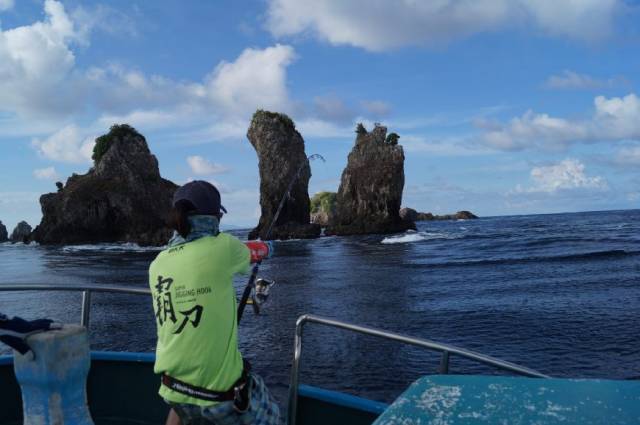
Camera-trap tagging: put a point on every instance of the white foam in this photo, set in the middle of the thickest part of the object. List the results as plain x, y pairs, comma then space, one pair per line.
16, 244
113, 247
416, 237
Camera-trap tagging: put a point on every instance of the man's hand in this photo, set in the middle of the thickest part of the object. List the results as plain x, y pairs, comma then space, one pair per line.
259, 250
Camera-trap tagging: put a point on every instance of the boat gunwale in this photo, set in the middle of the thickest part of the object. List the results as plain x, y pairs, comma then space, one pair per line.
336, 398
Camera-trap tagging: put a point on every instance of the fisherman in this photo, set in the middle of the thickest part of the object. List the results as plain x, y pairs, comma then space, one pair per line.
203, 373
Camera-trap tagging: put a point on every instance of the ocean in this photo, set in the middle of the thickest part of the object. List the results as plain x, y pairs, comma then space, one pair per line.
557, 293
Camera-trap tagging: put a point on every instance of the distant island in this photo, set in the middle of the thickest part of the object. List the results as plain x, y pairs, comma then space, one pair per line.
410, 214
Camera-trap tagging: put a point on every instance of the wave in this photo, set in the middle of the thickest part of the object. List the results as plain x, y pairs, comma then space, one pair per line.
586, 256
417, 237
574, 239
17, 244
112, 247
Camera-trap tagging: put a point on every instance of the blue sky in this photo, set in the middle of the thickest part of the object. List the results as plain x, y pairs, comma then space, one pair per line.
503, 106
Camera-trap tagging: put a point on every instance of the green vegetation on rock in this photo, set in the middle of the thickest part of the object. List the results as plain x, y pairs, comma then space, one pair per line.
261, 114
392, 139
360, 129
103, 143
323, 202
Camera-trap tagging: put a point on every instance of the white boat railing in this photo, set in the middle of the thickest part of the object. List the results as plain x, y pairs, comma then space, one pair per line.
446, 350
86, 290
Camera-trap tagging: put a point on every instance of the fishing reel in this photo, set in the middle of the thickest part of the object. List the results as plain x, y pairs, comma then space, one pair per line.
260, 293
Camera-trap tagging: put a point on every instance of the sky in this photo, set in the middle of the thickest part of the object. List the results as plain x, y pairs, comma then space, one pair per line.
503, 107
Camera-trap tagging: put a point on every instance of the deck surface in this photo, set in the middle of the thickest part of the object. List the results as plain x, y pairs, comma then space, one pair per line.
457, 399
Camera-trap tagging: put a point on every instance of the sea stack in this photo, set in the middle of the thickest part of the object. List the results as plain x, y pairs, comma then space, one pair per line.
370, 193
22, 233
121, 199
281, 153
4, 236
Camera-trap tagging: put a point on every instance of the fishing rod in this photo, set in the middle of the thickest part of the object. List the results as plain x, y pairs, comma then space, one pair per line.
251, 284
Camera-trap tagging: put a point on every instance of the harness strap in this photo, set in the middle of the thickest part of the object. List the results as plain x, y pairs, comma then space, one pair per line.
206, 394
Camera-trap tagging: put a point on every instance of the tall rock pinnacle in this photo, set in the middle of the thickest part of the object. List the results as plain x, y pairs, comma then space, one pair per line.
370, 193
280, 150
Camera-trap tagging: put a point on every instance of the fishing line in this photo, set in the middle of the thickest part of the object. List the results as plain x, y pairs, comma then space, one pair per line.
254, 272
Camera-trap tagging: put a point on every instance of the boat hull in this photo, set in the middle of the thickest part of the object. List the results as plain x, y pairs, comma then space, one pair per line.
123, 390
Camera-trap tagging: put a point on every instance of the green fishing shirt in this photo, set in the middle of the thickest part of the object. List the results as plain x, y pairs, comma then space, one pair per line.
195, 308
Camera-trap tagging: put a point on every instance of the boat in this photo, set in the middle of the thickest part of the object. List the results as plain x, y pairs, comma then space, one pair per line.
528, 396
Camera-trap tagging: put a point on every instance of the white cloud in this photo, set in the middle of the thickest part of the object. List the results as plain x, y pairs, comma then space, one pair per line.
151, 118
255, 80
568, 174
332, 109
614, 119
119, 90
6, 5
581, 19
450, 146
41, 82
243, 206
203, 167
629, 155
105, 18
377, 108
381, 25
48, 173
314, 127
39, 77
66, 145
36, 64
573, 80
231, 93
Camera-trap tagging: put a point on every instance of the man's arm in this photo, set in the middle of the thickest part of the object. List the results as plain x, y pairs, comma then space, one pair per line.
240, 256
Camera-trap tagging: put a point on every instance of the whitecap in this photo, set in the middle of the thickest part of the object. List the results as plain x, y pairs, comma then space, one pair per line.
17, 244
112, 247
415, 237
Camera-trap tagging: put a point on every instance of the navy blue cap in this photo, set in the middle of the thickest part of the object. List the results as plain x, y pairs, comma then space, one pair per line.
203, 195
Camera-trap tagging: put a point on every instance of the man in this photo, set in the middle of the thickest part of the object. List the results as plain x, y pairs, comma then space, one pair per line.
203, 373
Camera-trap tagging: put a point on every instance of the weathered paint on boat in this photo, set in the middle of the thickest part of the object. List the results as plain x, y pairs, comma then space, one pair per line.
122, 390
467, 399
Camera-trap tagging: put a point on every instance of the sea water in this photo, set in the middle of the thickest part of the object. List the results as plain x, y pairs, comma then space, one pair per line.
557, 293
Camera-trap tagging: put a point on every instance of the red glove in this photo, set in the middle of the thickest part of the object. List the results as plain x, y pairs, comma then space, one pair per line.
259, 250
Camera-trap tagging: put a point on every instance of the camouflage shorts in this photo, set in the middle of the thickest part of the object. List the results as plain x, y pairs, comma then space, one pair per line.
262, 410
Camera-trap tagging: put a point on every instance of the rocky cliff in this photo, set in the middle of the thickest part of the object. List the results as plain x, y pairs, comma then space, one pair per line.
22, 233
280, 150
408, 214
4, 236
121, 199
370, 193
